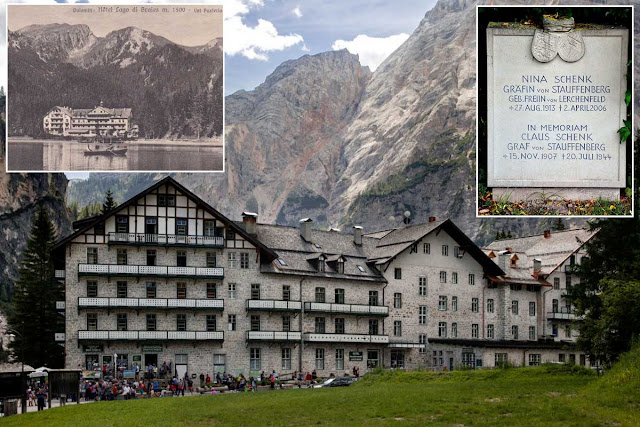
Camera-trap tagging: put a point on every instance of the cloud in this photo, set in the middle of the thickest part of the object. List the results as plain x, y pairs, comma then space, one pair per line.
252, 42
371, 50
297, 12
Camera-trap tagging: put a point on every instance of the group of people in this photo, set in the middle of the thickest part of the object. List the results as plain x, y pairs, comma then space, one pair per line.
37, 395
134, 388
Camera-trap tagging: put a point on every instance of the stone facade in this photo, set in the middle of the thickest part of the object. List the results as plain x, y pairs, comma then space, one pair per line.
380, 300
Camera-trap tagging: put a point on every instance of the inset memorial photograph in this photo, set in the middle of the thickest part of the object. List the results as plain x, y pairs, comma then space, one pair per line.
555, 111
115, 88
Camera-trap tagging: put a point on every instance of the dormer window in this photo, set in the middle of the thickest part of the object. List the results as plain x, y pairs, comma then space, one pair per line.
514, 260
340, 266
321, 264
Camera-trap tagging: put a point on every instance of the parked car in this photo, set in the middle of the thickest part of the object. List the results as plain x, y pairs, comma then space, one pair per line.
339, 382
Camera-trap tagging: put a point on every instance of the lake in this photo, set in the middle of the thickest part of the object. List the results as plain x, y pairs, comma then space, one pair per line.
64, 156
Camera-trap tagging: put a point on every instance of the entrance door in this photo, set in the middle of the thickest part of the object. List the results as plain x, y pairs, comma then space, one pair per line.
181, 365
451, 363
373, 359
219, 364
150, 359
397, 359
151, 230
107, 363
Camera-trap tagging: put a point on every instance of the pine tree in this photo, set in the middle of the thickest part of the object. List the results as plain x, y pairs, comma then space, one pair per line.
109, 203
36, 291
558, 225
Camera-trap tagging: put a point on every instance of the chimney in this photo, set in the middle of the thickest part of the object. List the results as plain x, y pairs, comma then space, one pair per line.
547, 234
357, 235
249, 220
432, 219
502, 260
537, 265
305, 229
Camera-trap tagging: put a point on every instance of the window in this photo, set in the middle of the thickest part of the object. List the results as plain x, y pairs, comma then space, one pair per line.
321, 264
562, 358
211, 260
397, 300
231, 234
231, 257
339, 325
457, 252
92, 288
490, 331
151, 322
442, 303
286, 358
209, 228
555, 306
320, 325
121, 257
151, 289
181, 290
181, 227
397, 273
320, 358
211, 323
122, 224
92, 255
255, 322
286, 323
490, 307
151, 257
286, 292
422, 286
320, 294
414, 248
472, 279
454, 330
212, 291
422, 339
339, 296
514, 332
254, 359
568, 282
339, 359
514, 307
231, 322
181, 258
426, 248
445, 250
373, 297
244, 260
501, 359
181, 322
361, 268
567, 331
92, 321
454, 303
340, 266
474, 330
534, 360
373, 327
121, 289
556, 283
454, 277
532, 288
532, 333
233, 294
442, 329
166, 200
532, 308
443, 277
255, 291
474, 305
422, 315
397, 328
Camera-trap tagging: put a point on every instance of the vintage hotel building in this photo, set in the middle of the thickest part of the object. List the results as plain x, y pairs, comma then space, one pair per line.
65, 121
166, 277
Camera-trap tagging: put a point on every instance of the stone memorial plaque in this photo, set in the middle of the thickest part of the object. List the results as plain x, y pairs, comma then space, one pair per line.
555, 104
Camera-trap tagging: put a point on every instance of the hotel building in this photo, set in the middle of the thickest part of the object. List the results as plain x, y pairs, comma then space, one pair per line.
65, 121
166, 277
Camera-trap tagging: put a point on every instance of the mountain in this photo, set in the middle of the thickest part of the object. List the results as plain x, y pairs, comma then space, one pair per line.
168, 86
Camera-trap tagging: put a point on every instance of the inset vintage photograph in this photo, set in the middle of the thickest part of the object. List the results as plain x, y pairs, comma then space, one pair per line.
555, 111
115, 88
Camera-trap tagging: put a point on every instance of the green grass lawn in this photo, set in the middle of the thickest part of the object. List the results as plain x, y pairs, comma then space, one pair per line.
548, 395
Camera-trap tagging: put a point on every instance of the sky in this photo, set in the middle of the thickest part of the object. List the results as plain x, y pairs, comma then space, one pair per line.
259, 35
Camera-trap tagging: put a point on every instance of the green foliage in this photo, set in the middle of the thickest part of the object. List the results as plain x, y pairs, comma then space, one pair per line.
558, 225
92, 209
34, 317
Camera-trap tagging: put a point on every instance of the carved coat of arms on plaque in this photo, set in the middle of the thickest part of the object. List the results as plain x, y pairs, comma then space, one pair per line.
557, 38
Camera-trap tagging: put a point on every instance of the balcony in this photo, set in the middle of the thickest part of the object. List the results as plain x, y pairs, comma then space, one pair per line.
555, 315
353, 309
346, 338
273, 336
273, 305
150, 271
59, 274
150, 335
154, 303
165, 240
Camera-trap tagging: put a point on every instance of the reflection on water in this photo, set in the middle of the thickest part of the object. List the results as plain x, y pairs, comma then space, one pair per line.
70, 156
